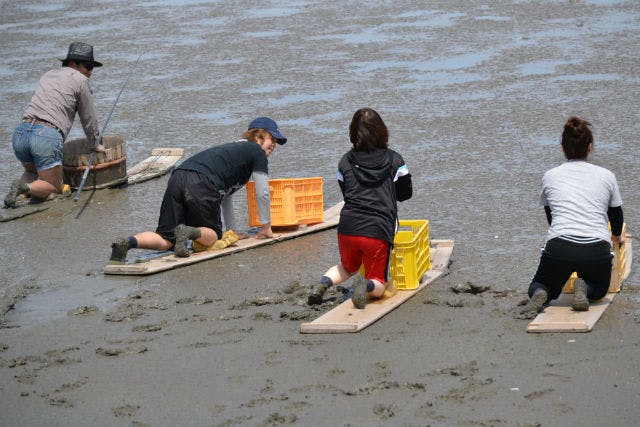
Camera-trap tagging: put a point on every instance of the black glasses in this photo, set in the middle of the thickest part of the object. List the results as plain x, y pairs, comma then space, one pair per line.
87, 65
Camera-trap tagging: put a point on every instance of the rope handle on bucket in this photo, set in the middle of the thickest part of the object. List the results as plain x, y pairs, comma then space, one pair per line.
98, 166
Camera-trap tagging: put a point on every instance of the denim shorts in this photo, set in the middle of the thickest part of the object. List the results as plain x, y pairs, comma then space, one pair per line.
38, 144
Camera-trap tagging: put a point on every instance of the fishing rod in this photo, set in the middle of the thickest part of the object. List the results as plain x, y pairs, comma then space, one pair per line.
93, 153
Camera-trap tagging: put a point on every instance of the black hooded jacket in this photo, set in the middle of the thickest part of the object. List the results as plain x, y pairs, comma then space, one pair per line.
372, 184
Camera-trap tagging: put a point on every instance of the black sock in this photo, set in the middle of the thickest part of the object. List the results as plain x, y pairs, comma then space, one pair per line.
324, 280
133, 242
370, 286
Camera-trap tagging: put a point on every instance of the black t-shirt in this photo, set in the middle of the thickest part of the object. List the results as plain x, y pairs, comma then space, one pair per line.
229, 166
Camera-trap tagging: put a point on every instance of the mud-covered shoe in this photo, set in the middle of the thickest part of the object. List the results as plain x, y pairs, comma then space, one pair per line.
315, 296
534, 306
17, 188
359, 297
184, 233
346, 291
119, 250
580, 300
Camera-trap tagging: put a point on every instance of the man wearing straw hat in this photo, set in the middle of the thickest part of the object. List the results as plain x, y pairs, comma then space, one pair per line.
47, 120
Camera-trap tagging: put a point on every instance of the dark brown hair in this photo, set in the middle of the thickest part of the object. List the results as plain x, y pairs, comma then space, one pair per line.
576, 138
257, 135
367, 131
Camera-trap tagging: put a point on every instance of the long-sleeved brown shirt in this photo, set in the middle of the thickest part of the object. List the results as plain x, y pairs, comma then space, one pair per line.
60, 93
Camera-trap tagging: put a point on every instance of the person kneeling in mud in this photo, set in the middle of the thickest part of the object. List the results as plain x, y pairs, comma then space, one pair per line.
199, 194
373, 178
579, 199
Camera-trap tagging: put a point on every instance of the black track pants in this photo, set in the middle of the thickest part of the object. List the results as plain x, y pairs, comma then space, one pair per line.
560, 258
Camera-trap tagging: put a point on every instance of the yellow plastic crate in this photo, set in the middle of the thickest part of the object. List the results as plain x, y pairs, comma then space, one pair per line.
617, 270
294, 201
410, 257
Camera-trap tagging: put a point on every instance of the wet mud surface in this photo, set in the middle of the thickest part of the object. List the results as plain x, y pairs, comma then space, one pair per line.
474, 95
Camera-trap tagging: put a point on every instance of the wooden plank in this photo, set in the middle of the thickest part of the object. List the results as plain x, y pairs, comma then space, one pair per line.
161, 161
9, 214
168, 152
558, 315
346, 318
170, 261
25, 206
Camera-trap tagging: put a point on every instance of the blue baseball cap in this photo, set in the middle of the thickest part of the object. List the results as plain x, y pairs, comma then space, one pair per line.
270, 126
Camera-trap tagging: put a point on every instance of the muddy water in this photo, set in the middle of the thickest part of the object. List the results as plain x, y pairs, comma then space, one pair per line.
474, 95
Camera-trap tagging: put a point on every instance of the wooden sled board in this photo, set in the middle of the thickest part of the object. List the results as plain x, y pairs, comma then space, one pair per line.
24, 207
559, 317
161, 161
170, 261
346, 318
9, 214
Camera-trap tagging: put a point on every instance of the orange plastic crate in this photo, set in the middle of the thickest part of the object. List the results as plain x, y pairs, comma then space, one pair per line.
294, 201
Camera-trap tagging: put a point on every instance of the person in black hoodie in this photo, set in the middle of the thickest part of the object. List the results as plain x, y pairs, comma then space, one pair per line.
373, 178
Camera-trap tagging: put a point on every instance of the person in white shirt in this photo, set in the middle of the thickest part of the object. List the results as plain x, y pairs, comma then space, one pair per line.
580, 200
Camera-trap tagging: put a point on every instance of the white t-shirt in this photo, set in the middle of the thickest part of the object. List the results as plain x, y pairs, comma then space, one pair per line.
579, 194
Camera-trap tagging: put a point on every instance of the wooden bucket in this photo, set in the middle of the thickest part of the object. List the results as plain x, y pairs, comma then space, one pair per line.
107, 170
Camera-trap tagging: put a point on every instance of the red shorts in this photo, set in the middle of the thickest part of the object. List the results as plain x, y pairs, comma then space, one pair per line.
373, 253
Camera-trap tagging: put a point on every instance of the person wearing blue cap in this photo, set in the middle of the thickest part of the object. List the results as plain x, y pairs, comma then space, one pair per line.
199, 193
